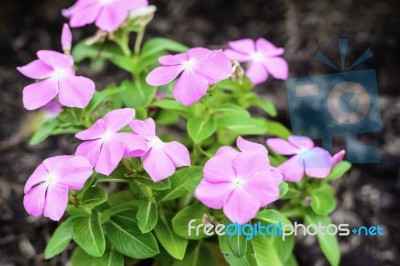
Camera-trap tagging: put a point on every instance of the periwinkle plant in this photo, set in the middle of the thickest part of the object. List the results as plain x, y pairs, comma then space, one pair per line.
169, 178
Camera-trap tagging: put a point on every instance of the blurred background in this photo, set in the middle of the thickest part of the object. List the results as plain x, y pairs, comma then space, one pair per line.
368, 195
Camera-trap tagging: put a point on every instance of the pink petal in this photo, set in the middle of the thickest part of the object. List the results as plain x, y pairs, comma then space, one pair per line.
134, 144
75, 172
245, 46
54, 164
178, 153
219, 169
282, 147
256, 73
245, 145
317, 162
250, 163
267, 48
111, 17
117, 119
237, 56
66, 38
129, 4
227, 151
55, 59
96, 131
163, 75
278, 67
90, 150
40, 93
111, 154
36, 70
146, 129
81, 16
301, 142
34, 200
338, 157
241, 206
190, 87
263, 186
214, 65
292, 170
172, 60
37, 177
157, 164
56, 201
213, 195
76, 91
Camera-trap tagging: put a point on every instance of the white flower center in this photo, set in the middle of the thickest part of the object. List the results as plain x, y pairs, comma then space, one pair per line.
257, 57
238, 182
52, 179
106, 136
188, 64
105, 2
156, 143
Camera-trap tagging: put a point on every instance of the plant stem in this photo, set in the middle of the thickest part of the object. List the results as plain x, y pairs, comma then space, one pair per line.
138, 41
127, 166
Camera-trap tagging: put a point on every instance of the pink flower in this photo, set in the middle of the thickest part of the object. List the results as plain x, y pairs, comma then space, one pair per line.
46, 191
239, 182
57, 76
108, 15
262, 56
309, 160
161, 158
104, 146
66, 38
198, 69
52, 109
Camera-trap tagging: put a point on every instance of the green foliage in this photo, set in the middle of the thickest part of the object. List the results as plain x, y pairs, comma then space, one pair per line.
143, 219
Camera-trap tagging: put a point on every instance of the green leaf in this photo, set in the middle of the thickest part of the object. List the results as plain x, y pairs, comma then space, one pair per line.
44, 131
161, 185
60, 239
329, 243
200, 256
126, 237
265, 252
166, 117
338, 171
232, 109
323, 200
88, 234
106, 51
156, 45
241, 124
93, 197
180, 222
110, 258
277, 129
130, 205
173, 244
147, 216
283, 189
248, 260
237, 244
253, 100
272, 217
170, 105
138, 94
80, 257
183, 181
199, 129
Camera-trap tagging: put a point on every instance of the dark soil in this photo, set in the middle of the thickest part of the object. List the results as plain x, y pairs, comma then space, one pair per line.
369, 195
